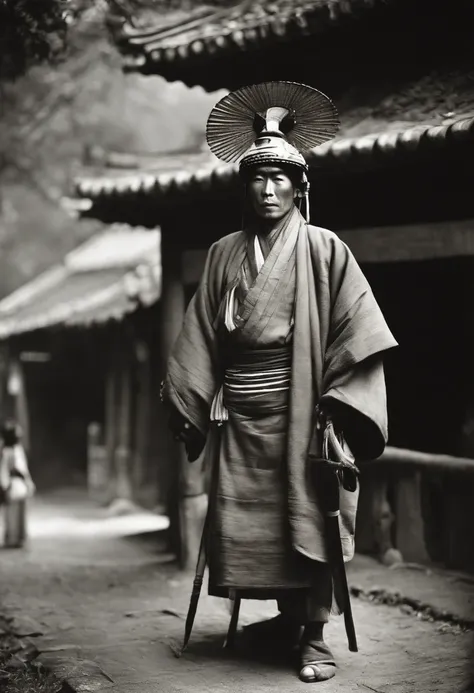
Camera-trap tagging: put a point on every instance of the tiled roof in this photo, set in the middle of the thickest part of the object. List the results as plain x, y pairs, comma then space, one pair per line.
105, 279
169, 174
206, 31
199, 173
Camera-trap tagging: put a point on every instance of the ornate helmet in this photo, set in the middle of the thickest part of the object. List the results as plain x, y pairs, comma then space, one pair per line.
271, 123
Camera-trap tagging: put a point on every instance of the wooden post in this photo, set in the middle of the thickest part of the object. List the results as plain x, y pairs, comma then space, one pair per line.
123, 488
409, 519
459, 492
375, 518
120, 434
187, 487
97, 465
3, 378
142, 416
193, 500
173, 308
111, 396
459, 534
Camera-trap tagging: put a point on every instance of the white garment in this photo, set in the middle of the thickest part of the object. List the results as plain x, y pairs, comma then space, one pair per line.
14, 459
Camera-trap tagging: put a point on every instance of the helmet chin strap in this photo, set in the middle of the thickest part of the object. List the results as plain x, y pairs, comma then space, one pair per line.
304, 201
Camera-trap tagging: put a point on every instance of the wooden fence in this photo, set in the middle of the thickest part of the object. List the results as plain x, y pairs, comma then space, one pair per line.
400, 518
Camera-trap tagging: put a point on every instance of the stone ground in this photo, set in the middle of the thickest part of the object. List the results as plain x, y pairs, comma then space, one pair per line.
111, 607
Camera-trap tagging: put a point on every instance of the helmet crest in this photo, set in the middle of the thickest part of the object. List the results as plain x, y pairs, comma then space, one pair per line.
272, 122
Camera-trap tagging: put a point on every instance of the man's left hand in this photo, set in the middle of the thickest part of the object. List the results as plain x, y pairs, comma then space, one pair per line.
185, 432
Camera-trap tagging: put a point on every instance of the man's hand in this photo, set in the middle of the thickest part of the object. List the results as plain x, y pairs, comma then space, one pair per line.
186, 433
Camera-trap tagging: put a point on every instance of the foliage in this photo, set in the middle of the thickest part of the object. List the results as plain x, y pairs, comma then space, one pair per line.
31, 31
36, 31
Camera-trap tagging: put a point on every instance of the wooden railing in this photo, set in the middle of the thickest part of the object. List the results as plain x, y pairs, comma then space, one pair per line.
421, 460
390, 520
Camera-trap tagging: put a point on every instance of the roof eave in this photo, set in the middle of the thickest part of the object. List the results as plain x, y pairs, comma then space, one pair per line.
145, 52
362, 152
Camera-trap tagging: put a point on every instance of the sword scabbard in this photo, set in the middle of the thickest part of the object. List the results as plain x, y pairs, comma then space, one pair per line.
328, 476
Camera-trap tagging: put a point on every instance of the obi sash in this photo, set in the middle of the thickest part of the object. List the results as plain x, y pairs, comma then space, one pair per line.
257, 378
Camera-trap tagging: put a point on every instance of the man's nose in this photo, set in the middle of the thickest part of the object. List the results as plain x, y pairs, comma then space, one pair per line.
269, 188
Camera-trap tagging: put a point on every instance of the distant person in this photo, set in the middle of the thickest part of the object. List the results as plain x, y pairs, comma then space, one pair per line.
16, 485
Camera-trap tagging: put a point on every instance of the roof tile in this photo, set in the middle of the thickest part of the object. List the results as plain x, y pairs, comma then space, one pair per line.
190, 172
104, 279
179, 38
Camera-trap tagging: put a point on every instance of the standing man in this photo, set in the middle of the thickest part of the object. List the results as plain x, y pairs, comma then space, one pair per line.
282, 334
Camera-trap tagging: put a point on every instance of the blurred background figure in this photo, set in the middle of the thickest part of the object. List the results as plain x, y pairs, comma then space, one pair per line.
16, 484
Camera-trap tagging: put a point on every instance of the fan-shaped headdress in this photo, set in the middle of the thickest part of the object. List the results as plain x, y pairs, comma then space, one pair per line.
271, 123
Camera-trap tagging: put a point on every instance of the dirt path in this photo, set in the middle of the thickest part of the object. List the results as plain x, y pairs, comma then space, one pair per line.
118, 601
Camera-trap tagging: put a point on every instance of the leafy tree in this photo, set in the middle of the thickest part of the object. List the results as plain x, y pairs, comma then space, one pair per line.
31, 31
35, 31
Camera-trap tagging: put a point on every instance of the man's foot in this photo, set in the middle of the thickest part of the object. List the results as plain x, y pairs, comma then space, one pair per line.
316, 662
275, 632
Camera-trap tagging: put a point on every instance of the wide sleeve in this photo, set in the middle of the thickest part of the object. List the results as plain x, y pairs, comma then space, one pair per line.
193, 367
354, 389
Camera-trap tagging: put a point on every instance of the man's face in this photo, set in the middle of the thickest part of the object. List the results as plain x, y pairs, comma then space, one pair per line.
270, 192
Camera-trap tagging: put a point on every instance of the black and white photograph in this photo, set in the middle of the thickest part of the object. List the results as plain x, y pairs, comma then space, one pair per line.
236, 346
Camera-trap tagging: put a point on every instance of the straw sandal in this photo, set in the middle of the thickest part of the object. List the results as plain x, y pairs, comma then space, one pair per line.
317, 662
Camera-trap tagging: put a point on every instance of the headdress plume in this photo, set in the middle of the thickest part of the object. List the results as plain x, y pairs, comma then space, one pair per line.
301, 115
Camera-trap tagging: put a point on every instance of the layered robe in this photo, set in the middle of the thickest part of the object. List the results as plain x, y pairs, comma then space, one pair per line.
306, 326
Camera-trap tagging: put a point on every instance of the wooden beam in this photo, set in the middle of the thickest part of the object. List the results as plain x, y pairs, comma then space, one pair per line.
411, 242
424, 460
407, 243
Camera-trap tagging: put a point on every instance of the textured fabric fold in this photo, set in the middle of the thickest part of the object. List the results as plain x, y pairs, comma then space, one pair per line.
339, 337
